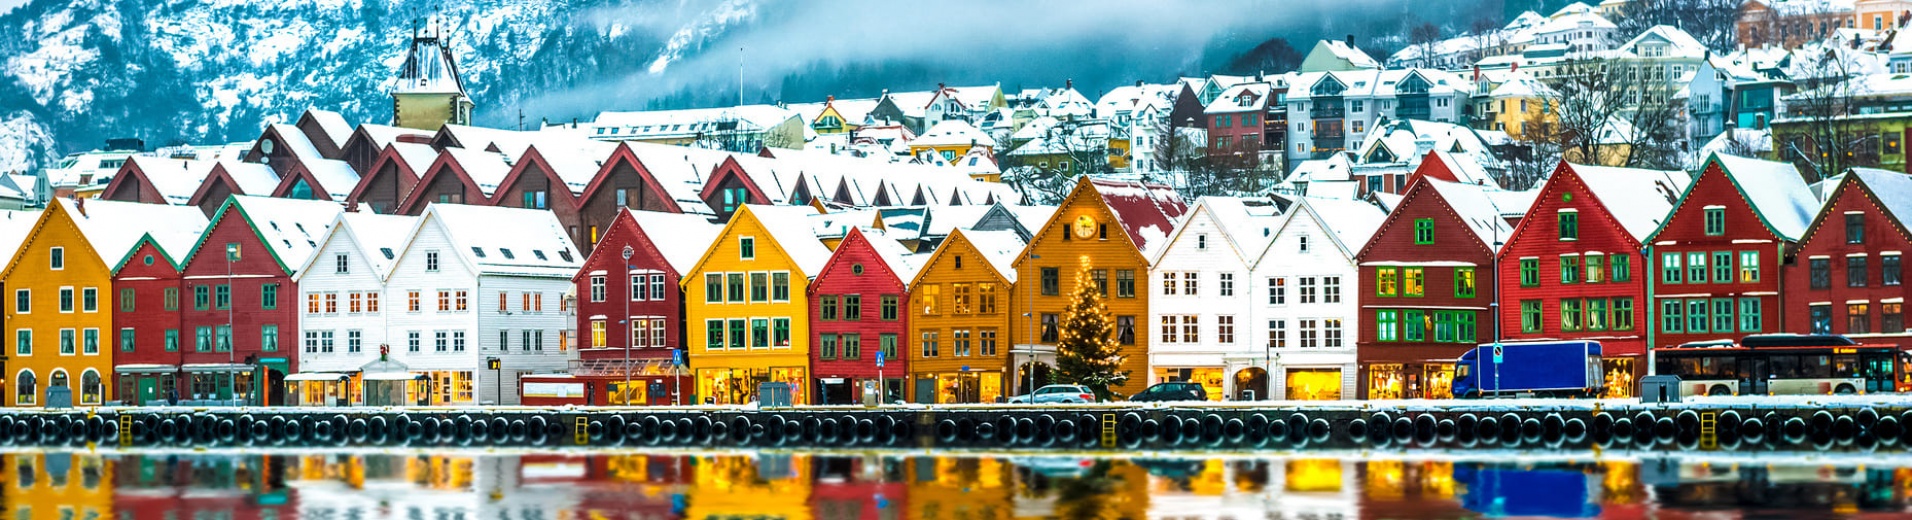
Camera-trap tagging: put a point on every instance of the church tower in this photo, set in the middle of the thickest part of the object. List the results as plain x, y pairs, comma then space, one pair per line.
429, 94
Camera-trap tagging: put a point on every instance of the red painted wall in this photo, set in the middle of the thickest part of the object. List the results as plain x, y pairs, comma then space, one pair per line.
149, 318
1685, 232
1599, 233
839, 278
1827, 238
1394, 243
255, 269
646, 255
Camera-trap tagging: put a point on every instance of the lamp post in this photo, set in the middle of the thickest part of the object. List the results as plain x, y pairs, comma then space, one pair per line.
630, 291
1028, 320
232, 255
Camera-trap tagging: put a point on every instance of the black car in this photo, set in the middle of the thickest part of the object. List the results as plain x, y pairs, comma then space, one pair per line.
1182, 391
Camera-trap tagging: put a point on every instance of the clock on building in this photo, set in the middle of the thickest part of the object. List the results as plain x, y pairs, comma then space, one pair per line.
1084, 227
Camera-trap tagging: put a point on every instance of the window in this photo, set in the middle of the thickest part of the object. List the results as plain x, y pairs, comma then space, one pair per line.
172, 340
431, 261
713, 334
852, 346
56, 258
657, 287
1891, 318
887, 342
1191, 283
1858, 318
759, 287
1530, 316
747, 248
1330, 289
1051, 285
1048, 328
734, 283
1413, 282
636, 288
1227, 283
1856, 271
66, 341
1621, 265
929, 296
1889, 273
1670, 268
22, 301
1278, 291
341, 264
413, 340
1424, 231
1277, 334
1201, 242
1125, 283
1819, 319
1569, 268
1124, 331
890, 303
827, 308
1302, 243
1715, 221
412, 301
1722, 267
1387, 323
1568, 222
827, 347
852, 307
959, 342
1307, 289
1464, 282
23, 342
1696, 316
1529, 272
1748, 266
1570, 315
1749, 315
597, 288
1696, 267
929, 347
780, 287
1820, 273
1225, 329
1386, 281
441, 341
1672, 317
126, 300
1855, 228
1414, 325
126, 340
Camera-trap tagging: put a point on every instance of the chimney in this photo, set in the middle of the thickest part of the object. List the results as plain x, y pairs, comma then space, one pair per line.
1350, 41
940, 87
1138, 83
1068, 84
79, 204
829, 99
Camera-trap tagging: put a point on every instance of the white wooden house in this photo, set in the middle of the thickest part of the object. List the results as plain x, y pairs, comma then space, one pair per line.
1199, 314
1305, 302
474, 283
335, 340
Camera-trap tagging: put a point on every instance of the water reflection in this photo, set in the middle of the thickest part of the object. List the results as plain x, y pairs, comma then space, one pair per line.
646, 486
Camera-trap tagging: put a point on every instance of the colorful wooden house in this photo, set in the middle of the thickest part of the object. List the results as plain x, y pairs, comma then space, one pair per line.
458, 176
240, 304
146, 312
1307, 313
1420, 292
1850, 279
348, 272
230, 178
858, 317
974, 265
628, 182
551, 176
1204, 306
61, 280
391, 176
1716, 260
747, 299
154, 180
1572, 268
663, 247
1110, 229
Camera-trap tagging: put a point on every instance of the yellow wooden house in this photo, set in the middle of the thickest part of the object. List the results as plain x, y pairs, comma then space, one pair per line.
59, 312
746, 304
960, 308
1104, 231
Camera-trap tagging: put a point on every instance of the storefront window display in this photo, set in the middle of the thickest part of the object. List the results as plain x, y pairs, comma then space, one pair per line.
1210, 378
968, 387
1386, 381
1314, 384
1438, 381
1619, 376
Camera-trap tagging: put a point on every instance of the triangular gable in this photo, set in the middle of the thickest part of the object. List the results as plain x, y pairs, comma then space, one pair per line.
1084, 193
623, 155
264, 243
1182, 226
1433, 166
533, 158
219, 176
951, 244
159, 250
407, 179
1884, 203
770, 238
729, 170
1713, 162
55, 210
123, 180
299, 173
1417, 188
445, 165
852, 242
1552, 189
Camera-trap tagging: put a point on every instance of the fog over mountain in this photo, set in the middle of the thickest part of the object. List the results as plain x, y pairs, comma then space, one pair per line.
76, 72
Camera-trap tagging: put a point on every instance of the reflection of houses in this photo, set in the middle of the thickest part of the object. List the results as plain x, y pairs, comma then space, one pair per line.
952, 487
156, 487
1219, 489
859, 487
761, 486
57, 486
1302, 286
1201, 311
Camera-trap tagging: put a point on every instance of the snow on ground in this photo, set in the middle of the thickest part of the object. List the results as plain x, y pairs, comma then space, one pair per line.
60, 53
22, 139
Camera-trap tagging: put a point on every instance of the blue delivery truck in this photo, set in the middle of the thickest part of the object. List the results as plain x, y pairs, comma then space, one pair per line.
1540, 368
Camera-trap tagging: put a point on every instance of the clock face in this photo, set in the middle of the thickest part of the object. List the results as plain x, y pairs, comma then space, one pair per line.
1084, 227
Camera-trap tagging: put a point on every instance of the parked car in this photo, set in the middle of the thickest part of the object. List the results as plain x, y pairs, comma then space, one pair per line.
1058, 394
1178, 391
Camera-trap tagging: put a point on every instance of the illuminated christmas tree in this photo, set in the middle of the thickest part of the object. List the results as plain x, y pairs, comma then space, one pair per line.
1086, 348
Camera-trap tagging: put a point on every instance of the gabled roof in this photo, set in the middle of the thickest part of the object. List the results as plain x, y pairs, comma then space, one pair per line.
332, 124
173, 179
1477, 209
1775, 191
1351, 223
289, 228
378, 238
14, 228
954, 132
1246, 97
682, 238
1679, 43
1640, 199
895, 257
1246, 225
1000, 248
790, 227
497, 240
1146, 211
113, 228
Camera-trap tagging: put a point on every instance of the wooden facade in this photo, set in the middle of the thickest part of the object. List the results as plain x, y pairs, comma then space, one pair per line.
938, 374
147, 321
747, 301
1848, 278
857, 309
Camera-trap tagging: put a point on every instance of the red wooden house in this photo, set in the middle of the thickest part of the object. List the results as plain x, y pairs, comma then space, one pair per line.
391, 177
230, 178
1572, 268
663, 246
628, 182
153, 180
1850, 279
1421, 301
146, 282
848, 327
1716, 260
458, 176
551, 177
239, 305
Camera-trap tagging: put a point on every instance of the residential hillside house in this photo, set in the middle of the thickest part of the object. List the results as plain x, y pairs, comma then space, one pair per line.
1717, 258
1422, 303
148, 360
1572, 268
476, 296
740, 129
1236, 119
1789, 23
1849, 278
1879, 15
1204, 307
1335, 56
630, 314
859, 319
958, 347
1331, 111
747, 299
344, 323
241, 304
61, 278
1305, 312
1104, 231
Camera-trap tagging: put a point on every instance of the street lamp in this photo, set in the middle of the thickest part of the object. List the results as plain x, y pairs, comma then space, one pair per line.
1028, 320
630, 289
232, 255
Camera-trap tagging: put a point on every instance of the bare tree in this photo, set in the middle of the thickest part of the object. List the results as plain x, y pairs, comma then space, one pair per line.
1237, 171
1821, 136
1426, 39
1487, 37
1712, 22
1611, 111
1173, 148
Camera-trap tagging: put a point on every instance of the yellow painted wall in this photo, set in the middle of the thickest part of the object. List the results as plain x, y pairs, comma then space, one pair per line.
1521, 123
941, 274
425, 111
32, 492
792, 359
32, 271
1114, 253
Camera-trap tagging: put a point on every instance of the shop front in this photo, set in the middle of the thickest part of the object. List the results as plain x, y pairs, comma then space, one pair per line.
849, 390
959, 387
1312, 384
1210, 377
444, 387
1620, 374
216, 382
146, 385
322, 389
1425, 380
739, 385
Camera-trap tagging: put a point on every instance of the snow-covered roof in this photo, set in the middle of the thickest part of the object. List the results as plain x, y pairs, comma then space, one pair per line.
14, 228
252, 178
378, 238
1146, 211
1353, 222
656, 124
999, 247
1476, 208
1524, 86
1035, 128
575, 161
1333, 168
174, 179
1246, 97
291, 228
953, 132
429, 69
332, 124
1247, 223
1352, 55
114, 227
1133, 98
900, 260
336, 176
1776, 192
1757, 141
912, 104
486, 169
789, 226
499, 240
1679, 43
1639, 198
680, 237
1376, 83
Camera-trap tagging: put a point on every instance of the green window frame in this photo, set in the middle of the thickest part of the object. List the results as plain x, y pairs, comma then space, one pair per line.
1750, 318
1697, 320
1413, 282
1569, 224
1414, 325
1387, 282
1387, 325
1423, 231
202, 298
1622, 316
734, 287
1596, 314
1569, 269
126, 340
1670, 268
1722, 314
713, 288
1722, 267
1596, 268
1530, 316
1715, 221
126, 300
1749, 266
1620, 263
172, 340
1672, 317
738, 332
1466, 323
1696, 267
1529, 272
269, 296
269, 338
713, 334
1570, 315
1465, 286
1446, 325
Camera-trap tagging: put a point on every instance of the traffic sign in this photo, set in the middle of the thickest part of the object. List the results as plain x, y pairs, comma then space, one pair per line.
1497, 353
677, 357
879, 359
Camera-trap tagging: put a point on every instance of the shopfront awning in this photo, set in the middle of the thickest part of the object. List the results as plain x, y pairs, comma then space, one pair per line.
392, 376
316, 376
217, 367
145, 369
